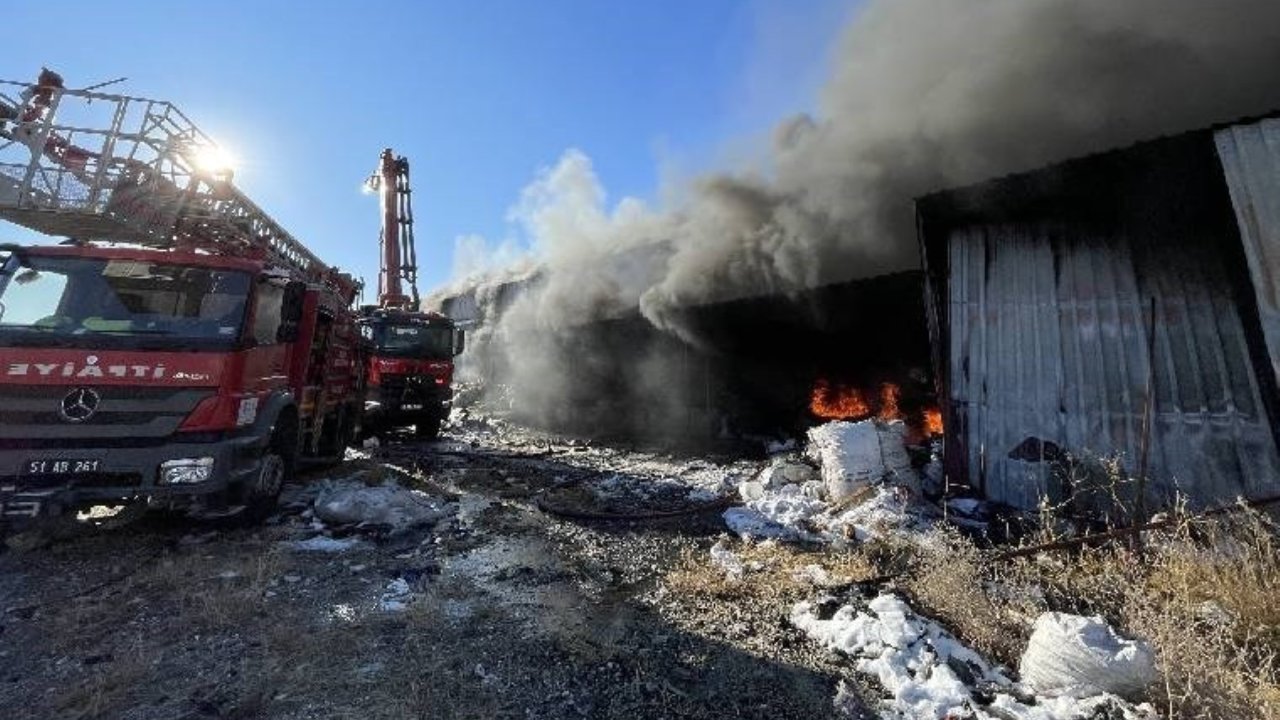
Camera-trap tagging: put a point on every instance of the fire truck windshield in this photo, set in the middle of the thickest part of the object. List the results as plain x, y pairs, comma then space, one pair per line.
110, 303
417, 341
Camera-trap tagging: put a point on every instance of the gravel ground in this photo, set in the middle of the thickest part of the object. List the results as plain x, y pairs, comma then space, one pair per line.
531, 598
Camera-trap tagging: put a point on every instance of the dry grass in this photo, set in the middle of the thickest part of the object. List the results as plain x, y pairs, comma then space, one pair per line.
1208, 603
784, 566
106, 690
950, 578
1201, 592
211, 593
169, 600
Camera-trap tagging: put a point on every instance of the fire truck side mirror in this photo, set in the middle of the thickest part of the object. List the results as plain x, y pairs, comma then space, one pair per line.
459, 340
291, 311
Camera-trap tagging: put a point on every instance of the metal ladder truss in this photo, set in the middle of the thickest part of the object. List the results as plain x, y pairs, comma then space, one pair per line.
100, 167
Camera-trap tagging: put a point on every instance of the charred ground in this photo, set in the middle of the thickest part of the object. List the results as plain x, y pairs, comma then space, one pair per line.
511, 611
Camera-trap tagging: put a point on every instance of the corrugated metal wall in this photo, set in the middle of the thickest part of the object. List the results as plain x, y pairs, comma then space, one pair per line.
1049, 339
1250, 156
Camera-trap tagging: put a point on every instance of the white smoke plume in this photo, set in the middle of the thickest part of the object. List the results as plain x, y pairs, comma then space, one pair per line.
922, 95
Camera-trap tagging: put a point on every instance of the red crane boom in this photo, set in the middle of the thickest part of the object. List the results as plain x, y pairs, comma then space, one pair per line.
399, 260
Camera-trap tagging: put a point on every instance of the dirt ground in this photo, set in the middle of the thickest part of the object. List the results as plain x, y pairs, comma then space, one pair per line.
500, 609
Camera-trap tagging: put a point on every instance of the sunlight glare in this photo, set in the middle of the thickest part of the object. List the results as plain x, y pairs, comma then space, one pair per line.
215, 160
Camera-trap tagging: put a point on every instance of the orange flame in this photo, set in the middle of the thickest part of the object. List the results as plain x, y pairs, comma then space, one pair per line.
933, 422
889, 394
837, 402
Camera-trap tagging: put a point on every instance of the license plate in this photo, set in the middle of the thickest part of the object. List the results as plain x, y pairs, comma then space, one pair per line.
56, 466
411, 406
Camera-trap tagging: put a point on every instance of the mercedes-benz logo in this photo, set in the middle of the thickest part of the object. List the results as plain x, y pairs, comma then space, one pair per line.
79, 405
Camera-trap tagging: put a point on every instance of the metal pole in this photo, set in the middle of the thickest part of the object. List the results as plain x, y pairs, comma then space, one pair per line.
1148, 411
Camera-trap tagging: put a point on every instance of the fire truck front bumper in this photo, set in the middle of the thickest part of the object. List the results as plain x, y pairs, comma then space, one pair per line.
190, 476
396, 400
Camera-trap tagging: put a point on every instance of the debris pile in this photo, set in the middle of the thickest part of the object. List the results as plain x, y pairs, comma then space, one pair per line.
390, 506
853, 455
855, 481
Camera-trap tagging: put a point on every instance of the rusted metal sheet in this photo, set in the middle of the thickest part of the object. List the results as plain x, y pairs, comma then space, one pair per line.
1250, 155
1065, 298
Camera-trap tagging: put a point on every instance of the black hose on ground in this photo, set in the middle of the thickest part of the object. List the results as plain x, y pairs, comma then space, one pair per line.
721, 504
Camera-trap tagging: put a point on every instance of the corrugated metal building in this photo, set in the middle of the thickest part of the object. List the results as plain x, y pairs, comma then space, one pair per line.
1060, 300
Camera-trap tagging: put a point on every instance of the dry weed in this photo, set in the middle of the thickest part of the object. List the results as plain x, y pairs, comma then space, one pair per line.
778, 573
951, 579
218, 595
1207, 602
1201, 593
111, 686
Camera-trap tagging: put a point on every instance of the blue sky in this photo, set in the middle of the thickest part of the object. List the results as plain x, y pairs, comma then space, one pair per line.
479, 95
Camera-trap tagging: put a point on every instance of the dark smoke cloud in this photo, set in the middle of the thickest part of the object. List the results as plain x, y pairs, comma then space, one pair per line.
922, 95
926, 94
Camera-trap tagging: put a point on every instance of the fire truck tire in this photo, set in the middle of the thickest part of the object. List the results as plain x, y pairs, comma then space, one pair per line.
427, 426
276, 469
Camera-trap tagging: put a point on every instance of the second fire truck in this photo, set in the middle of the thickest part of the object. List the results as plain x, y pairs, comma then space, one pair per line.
410, 353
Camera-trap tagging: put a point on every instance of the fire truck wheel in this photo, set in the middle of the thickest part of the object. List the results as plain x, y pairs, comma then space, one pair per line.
427, 426
263, 490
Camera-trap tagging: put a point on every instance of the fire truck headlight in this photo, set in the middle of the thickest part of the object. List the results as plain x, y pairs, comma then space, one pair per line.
186, 471
247, 412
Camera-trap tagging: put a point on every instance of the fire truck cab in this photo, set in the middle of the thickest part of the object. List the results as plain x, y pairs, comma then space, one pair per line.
189, 381
410, 360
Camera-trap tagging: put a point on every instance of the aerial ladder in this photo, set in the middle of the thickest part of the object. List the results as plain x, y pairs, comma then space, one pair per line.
99, 167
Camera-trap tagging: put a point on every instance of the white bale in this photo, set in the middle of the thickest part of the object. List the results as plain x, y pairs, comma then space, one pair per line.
893, 448
1081, 657
852, 455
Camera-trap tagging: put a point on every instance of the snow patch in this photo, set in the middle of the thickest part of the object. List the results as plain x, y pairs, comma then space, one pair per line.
785, 471
325, 544
728, 560
396, 596
793, 513
928, 674
781, 514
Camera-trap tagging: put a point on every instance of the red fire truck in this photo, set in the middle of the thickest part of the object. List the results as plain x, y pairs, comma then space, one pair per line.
178, 348
410, 365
